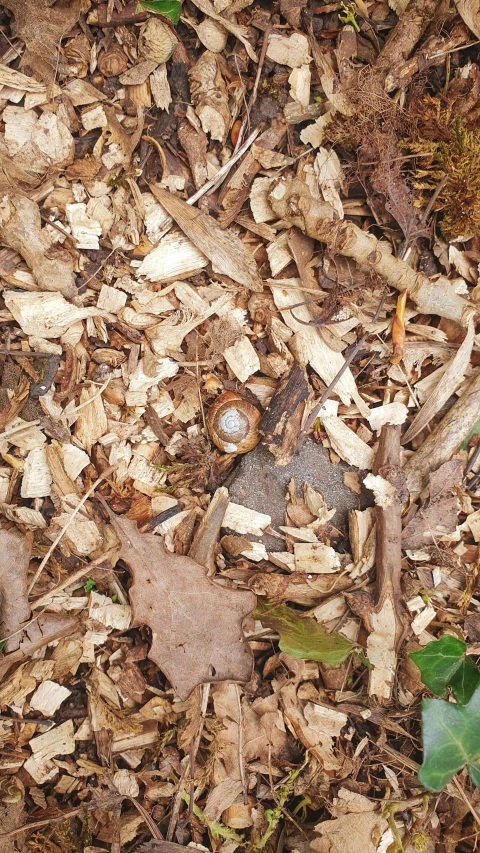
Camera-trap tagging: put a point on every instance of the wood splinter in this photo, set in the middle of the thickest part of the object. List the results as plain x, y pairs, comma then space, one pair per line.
386, 620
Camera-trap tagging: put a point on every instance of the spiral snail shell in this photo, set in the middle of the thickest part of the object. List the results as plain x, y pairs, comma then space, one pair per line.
232, 423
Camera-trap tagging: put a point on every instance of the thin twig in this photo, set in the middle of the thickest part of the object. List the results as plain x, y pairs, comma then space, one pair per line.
75, 512
240, 746
331, 387
223, 172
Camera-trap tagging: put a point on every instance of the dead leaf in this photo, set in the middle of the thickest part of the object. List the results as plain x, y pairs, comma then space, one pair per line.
439, 516
226, 251
196, 625
42, 27
350, 833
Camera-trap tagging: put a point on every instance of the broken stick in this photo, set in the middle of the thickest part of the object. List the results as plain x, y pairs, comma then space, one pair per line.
291, 200
386, 621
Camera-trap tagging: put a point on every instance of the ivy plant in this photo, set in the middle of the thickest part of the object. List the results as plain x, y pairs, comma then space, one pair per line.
168, 8
450, 730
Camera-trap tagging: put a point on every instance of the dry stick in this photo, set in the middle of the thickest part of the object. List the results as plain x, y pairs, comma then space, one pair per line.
253, 96
386, 621
241, 763
202, 549
75, 512
291, 200
224, 170
189, 763
445, 439
331, 387
405, 35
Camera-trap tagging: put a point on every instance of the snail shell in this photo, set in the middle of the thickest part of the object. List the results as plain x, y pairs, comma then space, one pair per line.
232, 423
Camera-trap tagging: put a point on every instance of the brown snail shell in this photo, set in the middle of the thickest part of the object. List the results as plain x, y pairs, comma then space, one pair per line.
232, 423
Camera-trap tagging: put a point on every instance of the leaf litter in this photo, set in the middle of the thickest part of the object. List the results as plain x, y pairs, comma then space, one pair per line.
215, 197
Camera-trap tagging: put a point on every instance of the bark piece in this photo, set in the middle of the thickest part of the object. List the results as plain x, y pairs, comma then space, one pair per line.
196, 625
282, 421
470, 12
291, 200
226, 252
15, 553
202, 549
20, 230
210, 96
238, 31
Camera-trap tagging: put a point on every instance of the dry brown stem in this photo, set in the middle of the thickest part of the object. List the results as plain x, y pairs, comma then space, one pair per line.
386, 621
292, 201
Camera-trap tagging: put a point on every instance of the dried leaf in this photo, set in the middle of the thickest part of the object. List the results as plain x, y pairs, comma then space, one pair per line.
42, 28
449, 382
226, 252
196, 625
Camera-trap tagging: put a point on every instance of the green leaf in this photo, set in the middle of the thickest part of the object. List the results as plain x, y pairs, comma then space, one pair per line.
302, 638
89, 585
465, 681
168, 8
451, 740
443, 664
474, 431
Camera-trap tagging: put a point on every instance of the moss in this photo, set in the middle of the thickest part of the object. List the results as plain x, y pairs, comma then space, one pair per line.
449, 166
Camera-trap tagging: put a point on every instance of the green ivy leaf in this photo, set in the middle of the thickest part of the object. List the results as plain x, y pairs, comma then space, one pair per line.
304, 639
444, 663
168, 8
451, 740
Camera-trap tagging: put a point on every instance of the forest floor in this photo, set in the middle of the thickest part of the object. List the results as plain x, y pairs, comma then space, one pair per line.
239, 425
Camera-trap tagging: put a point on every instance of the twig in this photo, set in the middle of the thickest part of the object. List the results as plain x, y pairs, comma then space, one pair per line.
253, 96
19, 428
75, 512
240, 746
223, 172
71, 579
386, 620
109, 802
189, 762
331, 387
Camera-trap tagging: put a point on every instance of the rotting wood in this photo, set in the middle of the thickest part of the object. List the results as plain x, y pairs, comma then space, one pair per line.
282, 421
202, 549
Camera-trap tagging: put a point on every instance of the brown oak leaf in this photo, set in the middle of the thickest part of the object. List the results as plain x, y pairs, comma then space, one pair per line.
196, 624
42, 28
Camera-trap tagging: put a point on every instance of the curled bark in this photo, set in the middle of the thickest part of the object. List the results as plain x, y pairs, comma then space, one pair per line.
291, 200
